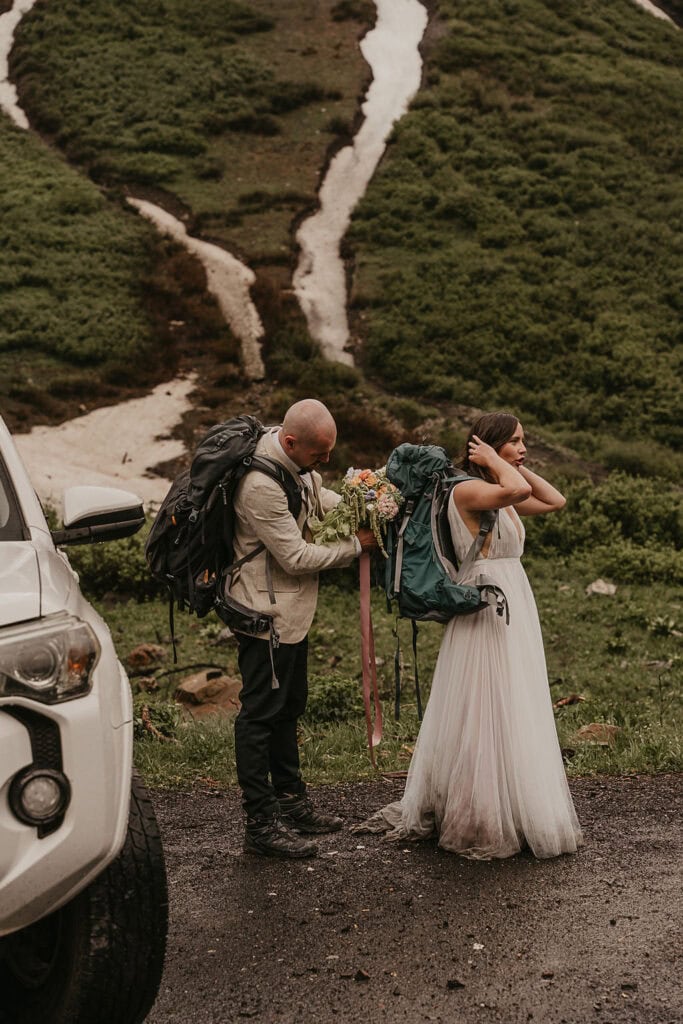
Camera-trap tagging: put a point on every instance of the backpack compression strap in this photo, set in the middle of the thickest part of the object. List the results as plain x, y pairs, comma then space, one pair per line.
409, 509
487, 521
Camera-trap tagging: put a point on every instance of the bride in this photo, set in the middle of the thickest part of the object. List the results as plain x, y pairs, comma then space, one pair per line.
487, 775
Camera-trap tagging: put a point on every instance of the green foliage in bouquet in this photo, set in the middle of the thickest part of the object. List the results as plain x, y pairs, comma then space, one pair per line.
367, 499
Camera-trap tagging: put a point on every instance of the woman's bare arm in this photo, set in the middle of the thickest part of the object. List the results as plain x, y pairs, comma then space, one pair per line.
543, 498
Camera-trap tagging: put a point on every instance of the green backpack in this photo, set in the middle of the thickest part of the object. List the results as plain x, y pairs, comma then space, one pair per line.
422, 575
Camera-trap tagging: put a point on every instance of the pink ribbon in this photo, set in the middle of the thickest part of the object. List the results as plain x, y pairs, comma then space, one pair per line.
367, 653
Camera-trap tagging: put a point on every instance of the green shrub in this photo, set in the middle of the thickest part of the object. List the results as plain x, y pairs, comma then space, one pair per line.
333, 699
643, 458
622, 561
629, 529
162, 716
117, 568
209, 167
621, 507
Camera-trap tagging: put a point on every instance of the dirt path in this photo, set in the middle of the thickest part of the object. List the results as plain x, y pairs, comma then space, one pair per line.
371, 931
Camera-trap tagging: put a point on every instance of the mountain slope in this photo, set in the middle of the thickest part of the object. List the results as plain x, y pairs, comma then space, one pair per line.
521, 244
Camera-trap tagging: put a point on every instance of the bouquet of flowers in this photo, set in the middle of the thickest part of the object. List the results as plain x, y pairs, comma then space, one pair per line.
367, 499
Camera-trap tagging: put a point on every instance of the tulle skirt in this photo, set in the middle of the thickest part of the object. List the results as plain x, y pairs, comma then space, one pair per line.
487, 775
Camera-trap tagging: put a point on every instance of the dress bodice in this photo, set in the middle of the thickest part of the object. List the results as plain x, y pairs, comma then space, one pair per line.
507, 536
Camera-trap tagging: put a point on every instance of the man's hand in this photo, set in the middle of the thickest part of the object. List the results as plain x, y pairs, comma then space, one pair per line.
366, 538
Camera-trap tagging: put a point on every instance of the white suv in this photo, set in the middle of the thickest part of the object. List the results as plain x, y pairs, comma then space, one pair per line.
83, 900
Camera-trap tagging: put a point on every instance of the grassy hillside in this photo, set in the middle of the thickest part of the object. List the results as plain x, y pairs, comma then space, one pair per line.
230, 108
522, 236
72, 322
524, 233
224, 118
93, 305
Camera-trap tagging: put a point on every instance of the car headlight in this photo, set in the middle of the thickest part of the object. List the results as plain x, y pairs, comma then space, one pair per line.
49, 660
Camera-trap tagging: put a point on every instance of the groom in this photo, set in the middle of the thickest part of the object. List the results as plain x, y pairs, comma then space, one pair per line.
279, 814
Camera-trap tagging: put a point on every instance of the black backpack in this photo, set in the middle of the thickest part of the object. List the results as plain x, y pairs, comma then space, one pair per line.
190, 545
422, 575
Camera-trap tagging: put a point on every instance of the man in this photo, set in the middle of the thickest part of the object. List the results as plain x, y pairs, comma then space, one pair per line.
279, 814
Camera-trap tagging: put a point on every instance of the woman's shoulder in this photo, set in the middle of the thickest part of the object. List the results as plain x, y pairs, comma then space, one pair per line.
467, 492
458, 512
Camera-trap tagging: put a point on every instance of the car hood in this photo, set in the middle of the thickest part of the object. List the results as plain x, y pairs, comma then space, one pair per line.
19, 583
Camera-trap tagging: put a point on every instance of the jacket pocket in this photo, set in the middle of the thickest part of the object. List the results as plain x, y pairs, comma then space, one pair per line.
283, 583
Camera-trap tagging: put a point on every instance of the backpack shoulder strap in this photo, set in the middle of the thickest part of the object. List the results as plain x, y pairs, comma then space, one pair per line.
277, 472
293, 492
487, 520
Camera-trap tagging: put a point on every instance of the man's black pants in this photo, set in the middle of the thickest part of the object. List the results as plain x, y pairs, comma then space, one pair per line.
266, 746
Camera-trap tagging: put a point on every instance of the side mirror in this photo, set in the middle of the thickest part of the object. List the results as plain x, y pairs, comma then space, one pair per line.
98, 513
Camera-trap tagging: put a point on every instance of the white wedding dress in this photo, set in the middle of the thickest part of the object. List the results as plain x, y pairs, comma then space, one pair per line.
487, 775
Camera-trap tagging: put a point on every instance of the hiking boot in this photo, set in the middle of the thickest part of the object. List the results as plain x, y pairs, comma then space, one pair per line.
298, 813
269, 837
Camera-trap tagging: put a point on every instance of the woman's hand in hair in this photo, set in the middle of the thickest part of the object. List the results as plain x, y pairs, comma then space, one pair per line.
482, 454
507, 486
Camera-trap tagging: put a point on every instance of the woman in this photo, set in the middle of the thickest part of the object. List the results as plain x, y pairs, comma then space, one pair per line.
487, 773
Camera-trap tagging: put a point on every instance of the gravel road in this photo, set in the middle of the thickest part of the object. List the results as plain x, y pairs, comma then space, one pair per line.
372, 931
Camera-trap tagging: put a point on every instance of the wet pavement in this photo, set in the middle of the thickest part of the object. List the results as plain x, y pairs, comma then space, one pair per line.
376, 931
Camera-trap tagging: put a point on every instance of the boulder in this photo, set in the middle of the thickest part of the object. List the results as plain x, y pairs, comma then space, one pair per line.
209, 693
601, 587
601, 734
145, 657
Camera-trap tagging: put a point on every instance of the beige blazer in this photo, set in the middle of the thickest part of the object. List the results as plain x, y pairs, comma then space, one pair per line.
262, 515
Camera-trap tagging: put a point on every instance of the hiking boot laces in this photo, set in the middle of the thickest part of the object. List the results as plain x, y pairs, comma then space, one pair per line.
271, 837
298, 813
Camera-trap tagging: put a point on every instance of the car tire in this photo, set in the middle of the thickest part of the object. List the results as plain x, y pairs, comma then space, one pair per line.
100, 957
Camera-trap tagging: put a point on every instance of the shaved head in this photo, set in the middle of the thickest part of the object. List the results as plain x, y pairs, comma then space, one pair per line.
308, 433
309, 419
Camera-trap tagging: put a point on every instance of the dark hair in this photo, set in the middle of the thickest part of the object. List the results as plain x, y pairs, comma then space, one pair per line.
494, 428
